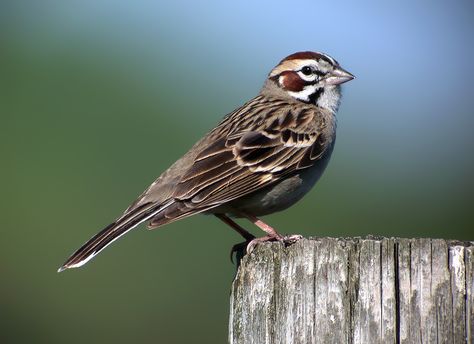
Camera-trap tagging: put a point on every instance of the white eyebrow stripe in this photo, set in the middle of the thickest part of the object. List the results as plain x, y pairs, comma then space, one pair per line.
295, 65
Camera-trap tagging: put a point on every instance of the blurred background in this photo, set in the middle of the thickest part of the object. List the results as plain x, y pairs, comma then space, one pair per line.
99, 97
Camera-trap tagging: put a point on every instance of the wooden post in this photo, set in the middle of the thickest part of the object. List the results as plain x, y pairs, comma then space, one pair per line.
373, 290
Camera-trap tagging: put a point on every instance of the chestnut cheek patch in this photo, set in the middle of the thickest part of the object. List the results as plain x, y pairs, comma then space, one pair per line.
291, 81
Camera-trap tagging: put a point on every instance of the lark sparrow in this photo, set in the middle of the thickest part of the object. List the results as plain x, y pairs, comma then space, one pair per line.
261, 158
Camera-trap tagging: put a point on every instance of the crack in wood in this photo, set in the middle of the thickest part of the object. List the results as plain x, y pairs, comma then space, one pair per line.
397, 291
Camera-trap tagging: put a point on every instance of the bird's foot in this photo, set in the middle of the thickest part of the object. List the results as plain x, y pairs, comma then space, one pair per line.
272, 234
248, 246
291, 239
285, 240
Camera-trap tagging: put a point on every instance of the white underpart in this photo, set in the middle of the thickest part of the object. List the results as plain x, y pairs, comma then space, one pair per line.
329, 99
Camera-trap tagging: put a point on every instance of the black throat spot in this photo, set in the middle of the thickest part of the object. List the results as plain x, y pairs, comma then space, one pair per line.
313, 97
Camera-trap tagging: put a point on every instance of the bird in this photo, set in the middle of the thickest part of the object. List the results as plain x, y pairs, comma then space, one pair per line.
260, 159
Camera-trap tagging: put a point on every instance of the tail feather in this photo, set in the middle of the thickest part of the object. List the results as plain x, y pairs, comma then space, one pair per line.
111, 233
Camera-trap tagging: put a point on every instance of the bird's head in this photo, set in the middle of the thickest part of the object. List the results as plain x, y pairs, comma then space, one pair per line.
309, 77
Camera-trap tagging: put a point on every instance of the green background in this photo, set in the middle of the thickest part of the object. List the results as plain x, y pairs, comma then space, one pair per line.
97, 98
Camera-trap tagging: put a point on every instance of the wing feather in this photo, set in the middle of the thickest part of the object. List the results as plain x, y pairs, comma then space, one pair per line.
247, 152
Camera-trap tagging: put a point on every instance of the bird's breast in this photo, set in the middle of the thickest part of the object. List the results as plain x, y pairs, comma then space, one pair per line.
278, 196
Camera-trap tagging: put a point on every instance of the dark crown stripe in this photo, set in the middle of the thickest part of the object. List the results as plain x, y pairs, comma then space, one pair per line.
309, 55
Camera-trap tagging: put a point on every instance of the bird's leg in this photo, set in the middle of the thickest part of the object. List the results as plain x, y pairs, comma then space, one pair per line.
272, 234
247, 236
250, 240
228, 221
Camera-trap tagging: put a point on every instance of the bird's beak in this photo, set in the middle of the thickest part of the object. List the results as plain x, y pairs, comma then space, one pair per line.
338, 76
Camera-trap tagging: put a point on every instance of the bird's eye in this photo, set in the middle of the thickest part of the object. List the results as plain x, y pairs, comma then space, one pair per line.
306, 70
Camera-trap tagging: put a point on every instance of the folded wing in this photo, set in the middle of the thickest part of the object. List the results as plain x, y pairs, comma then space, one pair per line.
240, 162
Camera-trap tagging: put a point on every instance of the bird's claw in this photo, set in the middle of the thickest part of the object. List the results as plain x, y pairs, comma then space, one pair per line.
291, 239
250, 245
238, 250
286, 240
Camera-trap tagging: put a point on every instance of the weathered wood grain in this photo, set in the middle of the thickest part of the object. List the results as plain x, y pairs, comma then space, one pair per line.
373, 290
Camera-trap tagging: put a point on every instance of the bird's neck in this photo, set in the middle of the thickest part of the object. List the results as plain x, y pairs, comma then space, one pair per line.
328, 98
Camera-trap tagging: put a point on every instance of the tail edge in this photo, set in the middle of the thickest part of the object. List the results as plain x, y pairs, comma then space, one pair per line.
109, 234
